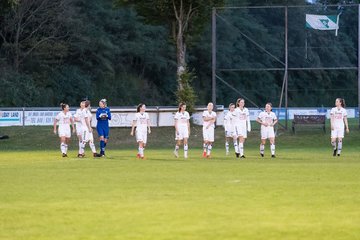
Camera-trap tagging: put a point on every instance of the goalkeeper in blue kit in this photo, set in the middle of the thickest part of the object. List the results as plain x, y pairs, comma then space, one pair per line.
103, 115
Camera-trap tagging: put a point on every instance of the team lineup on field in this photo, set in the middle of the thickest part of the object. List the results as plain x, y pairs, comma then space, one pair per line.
236, 124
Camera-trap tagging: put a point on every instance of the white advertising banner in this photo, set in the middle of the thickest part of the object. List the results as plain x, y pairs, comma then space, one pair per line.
125, 119
11, 118
41, 118
164, 117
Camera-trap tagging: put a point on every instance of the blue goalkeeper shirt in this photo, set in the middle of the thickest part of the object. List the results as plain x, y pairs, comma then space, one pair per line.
103, 115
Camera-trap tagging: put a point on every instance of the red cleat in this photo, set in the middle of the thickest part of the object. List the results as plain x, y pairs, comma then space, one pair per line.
204, 154
138, 155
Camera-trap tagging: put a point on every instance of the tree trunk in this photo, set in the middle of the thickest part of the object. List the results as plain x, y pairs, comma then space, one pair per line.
180, 44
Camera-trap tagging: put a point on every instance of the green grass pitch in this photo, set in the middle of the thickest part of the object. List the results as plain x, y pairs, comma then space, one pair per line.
304, 193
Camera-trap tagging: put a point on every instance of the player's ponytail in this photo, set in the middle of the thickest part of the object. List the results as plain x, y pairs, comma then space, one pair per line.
342, 101
181, 105
63, 106
138, 107
238, 101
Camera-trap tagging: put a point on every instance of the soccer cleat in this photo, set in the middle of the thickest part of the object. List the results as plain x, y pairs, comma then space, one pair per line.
273, 156
176, 153
142, 157
237, 155
242, 156
80, 155
261, 154
64, 155
204, 154
138, 155
97, 155
338, 154
334, 153
208, 156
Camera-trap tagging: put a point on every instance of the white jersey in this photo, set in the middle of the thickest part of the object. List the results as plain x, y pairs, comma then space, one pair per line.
338, 115
64, 119
182, 119
229, 120
242, 117
268, 118
78, 115
206, 113
141, 121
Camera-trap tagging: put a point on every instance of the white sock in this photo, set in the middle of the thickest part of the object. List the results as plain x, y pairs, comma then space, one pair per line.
227, 146
334, 145
262, 148
92, 146
62, 148
83, 144
66, 148
80, 148
241, 148
205, 146
141, 150
209, 149
185, 150
272, 148
236, 147
339, 147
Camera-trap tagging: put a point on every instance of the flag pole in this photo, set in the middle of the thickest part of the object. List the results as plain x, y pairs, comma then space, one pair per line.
337, 22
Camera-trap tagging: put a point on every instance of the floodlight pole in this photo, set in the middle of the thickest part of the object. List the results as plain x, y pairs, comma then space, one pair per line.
213, 95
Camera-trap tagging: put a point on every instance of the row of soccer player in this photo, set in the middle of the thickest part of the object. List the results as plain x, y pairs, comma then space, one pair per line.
236, 124
82, 121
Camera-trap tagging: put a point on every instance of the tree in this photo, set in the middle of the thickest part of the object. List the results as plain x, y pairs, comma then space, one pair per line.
30, 24
186, 19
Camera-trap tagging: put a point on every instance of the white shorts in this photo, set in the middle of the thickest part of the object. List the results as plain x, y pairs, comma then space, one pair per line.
64, 131
208, 134
141, 135
79, 130
229, 134
337, 133
183, 133
267, 132
87, 136
240, 131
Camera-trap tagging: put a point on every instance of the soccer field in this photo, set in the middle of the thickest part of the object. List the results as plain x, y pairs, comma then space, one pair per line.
304, 193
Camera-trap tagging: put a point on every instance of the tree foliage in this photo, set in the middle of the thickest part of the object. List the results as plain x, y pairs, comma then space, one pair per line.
65, 50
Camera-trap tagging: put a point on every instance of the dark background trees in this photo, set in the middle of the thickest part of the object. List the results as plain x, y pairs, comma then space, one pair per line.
64, 50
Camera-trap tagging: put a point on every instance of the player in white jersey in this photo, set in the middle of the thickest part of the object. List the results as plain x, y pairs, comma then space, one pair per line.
338, 116
229, 126
182, 129
64, 119
242, 126
142, 123
78, 124
209, 118
267, 120
87, 131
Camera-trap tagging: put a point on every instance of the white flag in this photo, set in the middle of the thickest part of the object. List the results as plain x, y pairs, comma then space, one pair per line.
322, 22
